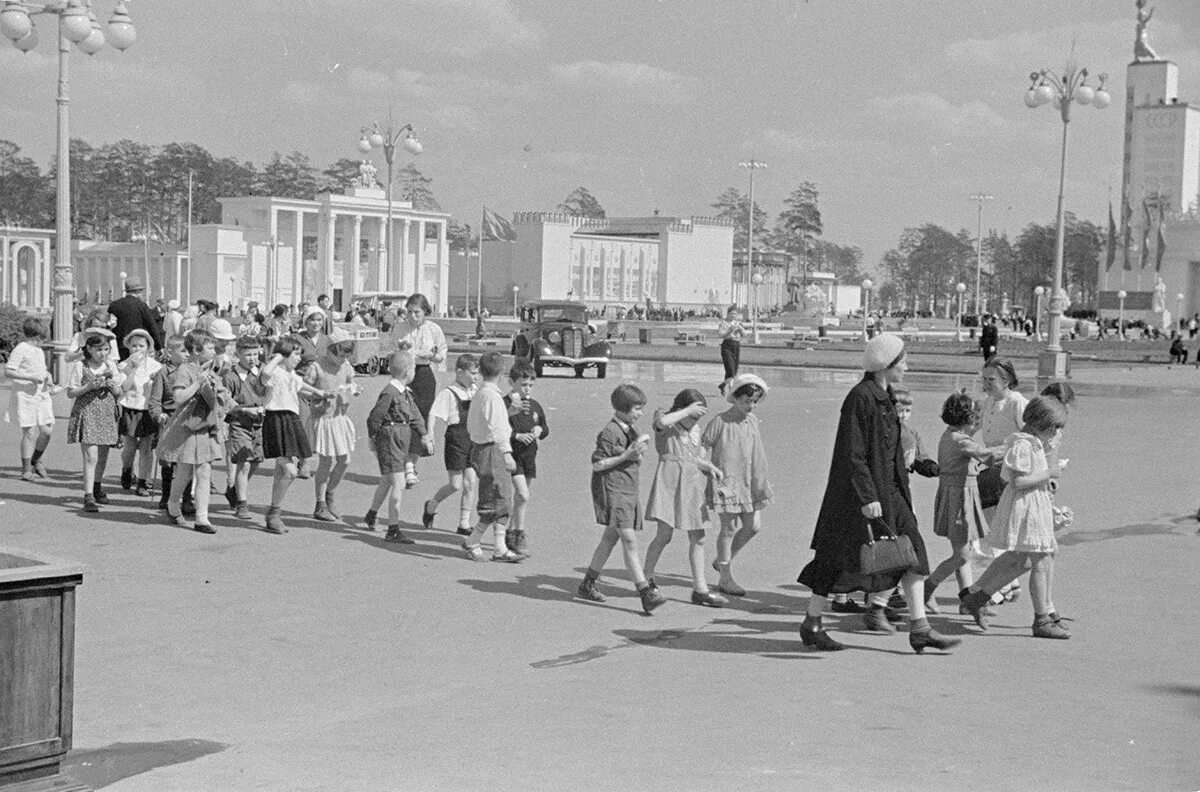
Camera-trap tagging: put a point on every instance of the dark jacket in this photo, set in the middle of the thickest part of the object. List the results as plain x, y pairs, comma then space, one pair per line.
132, 313
989, 340
868, 465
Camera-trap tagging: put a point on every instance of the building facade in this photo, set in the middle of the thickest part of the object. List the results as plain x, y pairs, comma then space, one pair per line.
672, 262
25, 267
162, 269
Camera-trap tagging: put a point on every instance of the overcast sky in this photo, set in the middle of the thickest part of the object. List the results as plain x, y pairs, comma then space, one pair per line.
897, 110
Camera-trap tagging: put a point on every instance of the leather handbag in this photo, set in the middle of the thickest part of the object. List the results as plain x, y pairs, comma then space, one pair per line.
884, 554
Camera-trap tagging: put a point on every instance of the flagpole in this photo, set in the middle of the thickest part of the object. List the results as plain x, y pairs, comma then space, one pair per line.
479, 270
189, 237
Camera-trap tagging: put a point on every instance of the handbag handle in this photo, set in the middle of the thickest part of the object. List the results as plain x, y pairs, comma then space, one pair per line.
871, 539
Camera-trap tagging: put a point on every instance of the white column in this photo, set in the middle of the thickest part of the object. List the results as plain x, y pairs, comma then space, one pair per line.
443, 271
271, 281
402, 260
326, 264
350, 264
298, 259
382, 265
418, 258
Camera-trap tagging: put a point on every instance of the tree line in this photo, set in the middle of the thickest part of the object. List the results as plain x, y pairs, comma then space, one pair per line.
127, 190
931, 260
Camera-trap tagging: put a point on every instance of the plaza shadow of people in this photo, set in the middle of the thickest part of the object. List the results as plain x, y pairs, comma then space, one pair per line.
730, 636
429, 545
100, 767
548, 588
1120, 532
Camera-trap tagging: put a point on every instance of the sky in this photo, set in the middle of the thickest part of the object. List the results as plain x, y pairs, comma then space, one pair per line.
898, 111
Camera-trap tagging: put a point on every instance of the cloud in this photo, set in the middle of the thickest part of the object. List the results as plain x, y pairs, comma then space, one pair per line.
638, 80
461, 28
940, 118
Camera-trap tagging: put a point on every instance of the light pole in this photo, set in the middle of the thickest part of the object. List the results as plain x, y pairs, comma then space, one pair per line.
1121, 295
386, 139
1046, 87
866, 290
961, 288
979, 198
78, 25
1037, 316
756, 279
516, 292
1179, 311
750, 165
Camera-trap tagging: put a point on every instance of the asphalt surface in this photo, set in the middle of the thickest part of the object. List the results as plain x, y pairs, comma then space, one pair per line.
326, 659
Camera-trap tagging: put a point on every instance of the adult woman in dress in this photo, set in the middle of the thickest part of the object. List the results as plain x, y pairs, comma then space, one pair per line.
867, 491
731, 331
421, 336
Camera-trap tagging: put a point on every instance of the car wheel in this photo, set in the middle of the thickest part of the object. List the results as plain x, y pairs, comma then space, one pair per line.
601, 370
373, 367
579, 371
537, 368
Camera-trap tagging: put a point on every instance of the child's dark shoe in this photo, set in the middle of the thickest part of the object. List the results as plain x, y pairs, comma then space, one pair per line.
89, 504
427, 516
369, 519
396, 536
126, 479
708, 599
1047, 627
813, 635
143, 488
921, 637
849, 606
651, 598
518, 542
587, 591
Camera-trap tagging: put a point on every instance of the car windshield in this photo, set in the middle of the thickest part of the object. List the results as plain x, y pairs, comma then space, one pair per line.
563, 314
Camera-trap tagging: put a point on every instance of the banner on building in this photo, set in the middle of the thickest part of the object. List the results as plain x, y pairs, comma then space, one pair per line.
496, 228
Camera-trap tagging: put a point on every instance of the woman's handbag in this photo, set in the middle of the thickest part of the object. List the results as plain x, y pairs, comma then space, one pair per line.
990, 486
890, 553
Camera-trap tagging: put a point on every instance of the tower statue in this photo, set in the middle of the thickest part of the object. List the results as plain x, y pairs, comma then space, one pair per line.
366, 174
1141, 45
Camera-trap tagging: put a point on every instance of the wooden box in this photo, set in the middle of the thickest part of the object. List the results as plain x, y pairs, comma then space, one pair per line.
37, 667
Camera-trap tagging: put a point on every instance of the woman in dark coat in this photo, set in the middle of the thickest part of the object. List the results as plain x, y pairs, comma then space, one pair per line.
868, 485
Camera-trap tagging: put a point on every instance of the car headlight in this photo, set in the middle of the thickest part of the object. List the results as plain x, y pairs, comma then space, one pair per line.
554, 337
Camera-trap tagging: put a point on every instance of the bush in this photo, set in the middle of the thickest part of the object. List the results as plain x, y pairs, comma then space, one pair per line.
11, 334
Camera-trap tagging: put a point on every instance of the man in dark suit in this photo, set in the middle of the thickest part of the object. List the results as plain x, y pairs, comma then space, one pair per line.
132, 313
989, 338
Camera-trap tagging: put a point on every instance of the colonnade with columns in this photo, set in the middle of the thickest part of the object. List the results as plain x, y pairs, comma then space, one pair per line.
25, 267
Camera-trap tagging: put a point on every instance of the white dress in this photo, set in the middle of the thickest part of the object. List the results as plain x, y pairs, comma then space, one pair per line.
30, 401
1024, 518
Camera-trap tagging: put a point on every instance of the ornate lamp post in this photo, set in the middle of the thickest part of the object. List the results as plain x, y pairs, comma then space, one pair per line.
980, 198
1037, 316
961, 288
1121, 295
386, 138
1047, 87
77, 24
750, 165
866, 290
756, 279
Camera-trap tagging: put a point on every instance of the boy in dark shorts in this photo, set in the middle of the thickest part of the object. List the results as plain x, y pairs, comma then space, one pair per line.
451, 408
491, 456
616, 463
528, 422
244, 450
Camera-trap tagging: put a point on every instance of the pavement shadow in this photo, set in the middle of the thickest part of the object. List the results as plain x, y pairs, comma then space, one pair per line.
551, 588
1120, 532
99, 767
1178, 689
730, 636
433, 546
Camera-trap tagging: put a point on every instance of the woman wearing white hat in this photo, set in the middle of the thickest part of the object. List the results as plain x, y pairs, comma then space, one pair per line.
867, 496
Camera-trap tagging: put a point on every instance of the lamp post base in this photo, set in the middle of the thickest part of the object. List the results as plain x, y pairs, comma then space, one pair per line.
1053, 366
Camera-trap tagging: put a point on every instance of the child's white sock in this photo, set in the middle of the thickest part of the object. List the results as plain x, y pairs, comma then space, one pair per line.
464, 518
501, 547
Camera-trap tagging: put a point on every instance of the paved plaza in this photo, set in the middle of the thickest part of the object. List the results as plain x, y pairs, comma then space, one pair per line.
328, 660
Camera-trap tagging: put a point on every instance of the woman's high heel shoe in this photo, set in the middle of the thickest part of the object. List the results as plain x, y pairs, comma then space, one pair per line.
812, 635
930, 639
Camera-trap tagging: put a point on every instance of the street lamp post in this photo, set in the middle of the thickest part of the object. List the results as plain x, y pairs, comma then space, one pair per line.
750, 165
961, 288
1121, 295
979, 198
78, 25
1037, 315
1047, 87
516, 310
386, 138
866, 290
756, 279
1179, 311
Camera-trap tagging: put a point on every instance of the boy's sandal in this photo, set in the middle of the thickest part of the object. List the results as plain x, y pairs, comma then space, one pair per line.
474, 553
509, 557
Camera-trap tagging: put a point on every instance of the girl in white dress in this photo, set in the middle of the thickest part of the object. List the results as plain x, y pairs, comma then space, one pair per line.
139, 431
1023, 526
31, 390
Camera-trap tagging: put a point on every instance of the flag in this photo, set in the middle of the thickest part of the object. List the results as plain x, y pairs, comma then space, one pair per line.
1162, 244
1146, 234
1111, 253
496, 228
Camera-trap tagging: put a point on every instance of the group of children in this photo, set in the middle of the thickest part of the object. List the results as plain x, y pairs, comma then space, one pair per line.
210, 398
1014, 535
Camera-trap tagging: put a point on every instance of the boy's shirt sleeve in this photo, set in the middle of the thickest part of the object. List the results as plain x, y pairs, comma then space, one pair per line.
541, 416
609, 443
379, 412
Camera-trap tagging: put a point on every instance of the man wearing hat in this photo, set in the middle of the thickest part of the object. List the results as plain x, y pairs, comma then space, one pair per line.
132, 313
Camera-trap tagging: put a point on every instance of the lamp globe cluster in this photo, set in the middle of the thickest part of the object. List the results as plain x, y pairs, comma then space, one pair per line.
1046, 87
77, 23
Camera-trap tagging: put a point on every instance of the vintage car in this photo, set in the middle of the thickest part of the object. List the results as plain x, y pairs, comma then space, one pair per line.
557, 333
